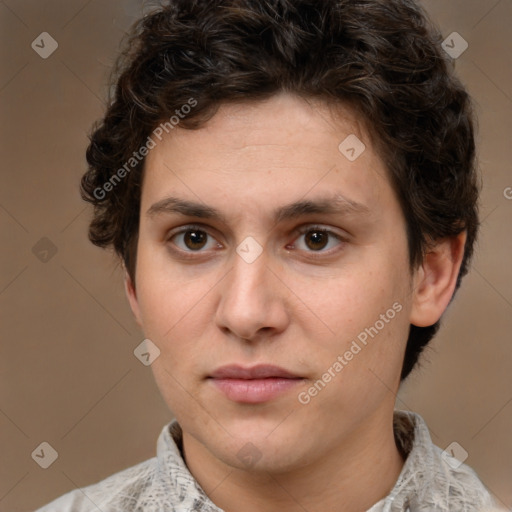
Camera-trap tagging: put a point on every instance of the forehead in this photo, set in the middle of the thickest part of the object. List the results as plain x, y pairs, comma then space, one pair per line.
265, 152
282, 120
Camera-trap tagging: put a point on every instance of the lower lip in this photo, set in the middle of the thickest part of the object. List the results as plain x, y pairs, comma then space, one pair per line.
254, 391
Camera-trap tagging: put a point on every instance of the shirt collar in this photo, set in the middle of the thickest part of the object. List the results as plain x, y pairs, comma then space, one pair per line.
425, 480
430, 480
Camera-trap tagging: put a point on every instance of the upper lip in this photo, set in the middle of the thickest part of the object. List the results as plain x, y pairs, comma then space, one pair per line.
261, 371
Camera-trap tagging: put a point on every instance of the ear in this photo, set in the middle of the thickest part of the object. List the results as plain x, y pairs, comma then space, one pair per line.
435, 280
131, 294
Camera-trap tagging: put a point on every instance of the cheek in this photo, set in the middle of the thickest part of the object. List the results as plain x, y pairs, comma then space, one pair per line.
177, 308
354, 299
167, 296
365, 310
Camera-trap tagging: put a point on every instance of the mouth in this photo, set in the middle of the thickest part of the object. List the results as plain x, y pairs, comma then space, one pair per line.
253, 385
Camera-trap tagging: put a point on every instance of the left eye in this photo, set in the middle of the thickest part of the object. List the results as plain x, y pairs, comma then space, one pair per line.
317, 238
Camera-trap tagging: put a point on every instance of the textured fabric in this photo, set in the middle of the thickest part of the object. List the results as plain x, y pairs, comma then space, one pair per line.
427, 481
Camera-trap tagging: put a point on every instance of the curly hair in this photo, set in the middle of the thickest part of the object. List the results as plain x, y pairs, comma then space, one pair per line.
383, 58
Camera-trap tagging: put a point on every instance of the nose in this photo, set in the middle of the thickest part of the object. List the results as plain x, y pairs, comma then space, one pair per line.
254, 301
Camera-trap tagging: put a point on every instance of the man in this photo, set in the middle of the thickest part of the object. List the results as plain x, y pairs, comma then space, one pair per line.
291, 188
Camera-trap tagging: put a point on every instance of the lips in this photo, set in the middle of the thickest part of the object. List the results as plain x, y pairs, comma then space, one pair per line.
253, 385
263, 371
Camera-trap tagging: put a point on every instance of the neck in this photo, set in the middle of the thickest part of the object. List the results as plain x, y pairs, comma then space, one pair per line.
350, 478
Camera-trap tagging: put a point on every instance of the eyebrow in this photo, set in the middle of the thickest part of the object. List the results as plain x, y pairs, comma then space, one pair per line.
335, 204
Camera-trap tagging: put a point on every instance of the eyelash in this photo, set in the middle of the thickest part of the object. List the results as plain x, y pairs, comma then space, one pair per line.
302, 231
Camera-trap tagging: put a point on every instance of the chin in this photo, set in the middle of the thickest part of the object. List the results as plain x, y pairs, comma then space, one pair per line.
257, 451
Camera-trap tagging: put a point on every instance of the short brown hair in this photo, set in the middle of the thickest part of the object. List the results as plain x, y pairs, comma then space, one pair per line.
382, 57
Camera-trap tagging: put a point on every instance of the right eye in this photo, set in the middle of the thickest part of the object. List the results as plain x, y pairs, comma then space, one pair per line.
193, 239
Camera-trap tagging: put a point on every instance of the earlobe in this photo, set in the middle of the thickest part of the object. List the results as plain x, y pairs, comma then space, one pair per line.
436, 279
131, 295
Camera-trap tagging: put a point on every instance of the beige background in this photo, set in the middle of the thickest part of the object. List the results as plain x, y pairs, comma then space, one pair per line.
67, 370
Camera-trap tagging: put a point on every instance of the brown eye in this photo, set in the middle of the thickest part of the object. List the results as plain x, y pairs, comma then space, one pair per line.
195, 239
192, 239
316, 239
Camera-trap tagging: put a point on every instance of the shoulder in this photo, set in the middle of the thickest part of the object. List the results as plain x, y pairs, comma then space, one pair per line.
161, 483
432, 478
461, 481
118, 492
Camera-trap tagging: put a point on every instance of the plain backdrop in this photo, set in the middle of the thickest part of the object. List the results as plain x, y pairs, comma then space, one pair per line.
67, 370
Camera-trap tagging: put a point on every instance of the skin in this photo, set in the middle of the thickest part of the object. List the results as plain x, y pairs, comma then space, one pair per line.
298, 305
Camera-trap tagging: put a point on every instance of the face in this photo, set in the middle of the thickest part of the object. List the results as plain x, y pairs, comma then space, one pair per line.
274, 322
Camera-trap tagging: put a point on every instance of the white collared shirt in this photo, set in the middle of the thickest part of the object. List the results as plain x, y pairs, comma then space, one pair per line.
429, 481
